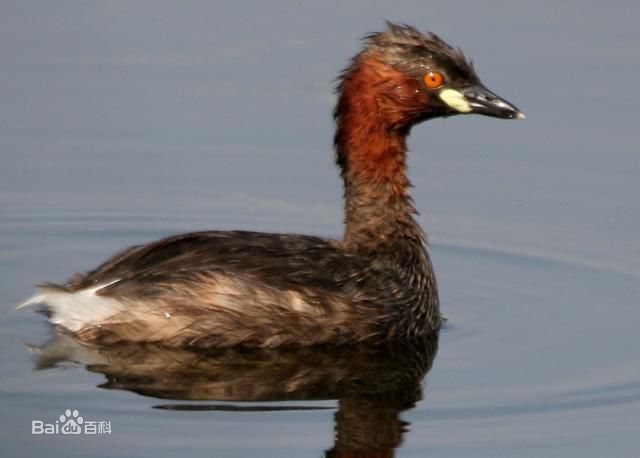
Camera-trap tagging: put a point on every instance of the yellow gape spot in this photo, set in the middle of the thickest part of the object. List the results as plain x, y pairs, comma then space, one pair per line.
455, 100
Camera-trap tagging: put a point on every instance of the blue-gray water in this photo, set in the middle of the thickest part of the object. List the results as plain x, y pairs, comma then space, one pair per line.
121, 122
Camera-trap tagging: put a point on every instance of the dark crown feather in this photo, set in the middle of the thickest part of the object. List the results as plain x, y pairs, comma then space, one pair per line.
402, 40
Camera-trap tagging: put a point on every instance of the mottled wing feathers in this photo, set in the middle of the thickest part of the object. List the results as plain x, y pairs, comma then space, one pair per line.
224, 288
276, 259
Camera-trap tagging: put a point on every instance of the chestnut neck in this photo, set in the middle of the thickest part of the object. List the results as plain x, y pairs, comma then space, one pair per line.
370, 144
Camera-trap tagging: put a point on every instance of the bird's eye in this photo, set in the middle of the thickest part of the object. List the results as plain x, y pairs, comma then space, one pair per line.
433, 79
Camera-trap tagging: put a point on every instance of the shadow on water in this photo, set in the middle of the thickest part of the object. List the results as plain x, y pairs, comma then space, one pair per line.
372, 386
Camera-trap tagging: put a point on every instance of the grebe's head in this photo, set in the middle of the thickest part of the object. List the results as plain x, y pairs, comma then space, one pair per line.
412, 77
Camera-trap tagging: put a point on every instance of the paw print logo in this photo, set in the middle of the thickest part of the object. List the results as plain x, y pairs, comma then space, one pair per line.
71, 421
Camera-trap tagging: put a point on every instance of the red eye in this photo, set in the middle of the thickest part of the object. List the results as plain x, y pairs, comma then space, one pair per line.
433, 79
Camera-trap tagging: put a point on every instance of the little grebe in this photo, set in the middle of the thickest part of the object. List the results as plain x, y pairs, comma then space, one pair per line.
266, 290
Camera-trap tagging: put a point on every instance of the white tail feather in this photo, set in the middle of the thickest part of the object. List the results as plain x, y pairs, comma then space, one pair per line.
77, 310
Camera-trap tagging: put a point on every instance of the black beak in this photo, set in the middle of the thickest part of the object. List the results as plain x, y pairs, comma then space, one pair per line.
483, 101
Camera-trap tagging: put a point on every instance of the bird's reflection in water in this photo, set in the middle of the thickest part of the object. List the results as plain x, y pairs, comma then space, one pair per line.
372, 386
